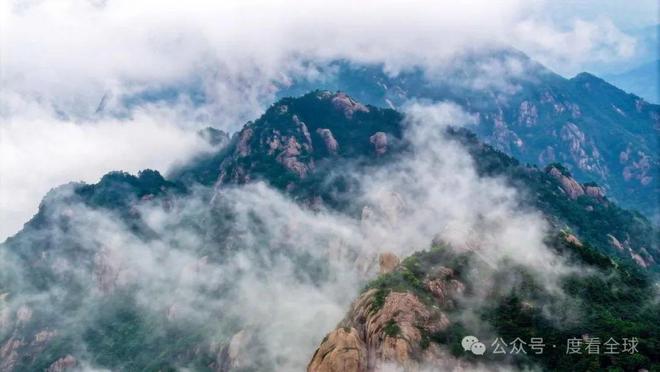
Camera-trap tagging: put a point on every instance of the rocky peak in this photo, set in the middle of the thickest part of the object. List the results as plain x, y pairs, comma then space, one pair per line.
385, 328
288, 141
347, 105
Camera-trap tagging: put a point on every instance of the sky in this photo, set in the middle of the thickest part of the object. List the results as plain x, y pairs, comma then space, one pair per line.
60, 59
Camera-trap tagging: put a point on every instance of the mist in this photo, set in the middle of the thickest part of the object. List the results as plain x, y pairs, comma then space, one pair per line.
78, 64
249, 267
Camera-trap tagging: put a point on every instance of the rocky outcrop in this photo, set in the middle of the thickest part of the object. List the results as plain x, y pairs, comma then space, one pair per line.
347, 105
568, 184
9, 353
379, 141
582, 150
341, 351
573, 189
288, 157
614, 242
572, 239
444, 287
243, 146
594, 192
331, 144
502, 137
63, 364
387, 262
527, 114
636, 166
391, 328
641, 257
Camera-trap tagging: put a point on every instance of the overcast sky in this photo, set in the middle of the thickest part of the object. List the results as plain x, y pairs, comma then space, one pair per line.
59, 59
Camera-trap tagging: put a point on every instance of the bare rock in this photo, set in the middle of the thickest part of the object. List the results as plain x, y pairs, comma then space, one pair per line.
302, 128
347, 105
289, 158
329, 139
527, 114
582, 150
9, 353
503, 138
243, 147
614, 242
341, 351
637, 166
570, 186
570, 238
63, 364
387, 261
379, 140
638, 259
595, 192
393, 332
443, 285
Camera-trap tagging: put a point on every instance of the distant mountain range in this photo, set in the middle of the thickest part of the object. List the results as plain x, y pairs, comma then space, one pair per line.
601, 133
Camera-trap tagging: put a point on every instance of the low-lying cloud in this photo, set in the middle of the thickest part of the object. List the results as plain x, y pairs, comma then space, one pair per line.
247, 264
39, 151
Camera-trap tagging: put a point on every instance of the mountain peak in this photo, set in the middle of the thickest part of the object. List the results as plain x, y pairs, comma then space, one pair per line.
297, 134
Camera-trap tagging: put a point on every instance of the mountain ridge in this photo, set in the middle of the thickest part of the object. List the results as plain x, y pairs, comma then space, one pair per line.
307, 148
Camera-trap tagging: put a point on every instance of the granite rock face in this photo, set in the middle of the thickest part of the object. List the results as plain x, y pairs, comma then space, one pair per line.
390, 331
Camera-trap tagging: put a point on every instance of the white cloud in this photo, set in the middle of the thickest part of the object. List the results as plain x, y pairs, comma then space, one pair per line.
74, 51
39, 151
255, 260
571, 50
63, 57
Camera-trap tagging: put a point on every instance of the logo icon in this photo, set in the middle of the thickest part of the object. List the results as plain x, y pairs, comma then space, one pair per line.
472, 344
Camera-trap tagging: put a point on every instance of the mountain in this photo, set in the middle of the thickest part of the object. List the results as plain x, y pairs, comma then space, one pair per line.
642, 80
599, 132
242, 259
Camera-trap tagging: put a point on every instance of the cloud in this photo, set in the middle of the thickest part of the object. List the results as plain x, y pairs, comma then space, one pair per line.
39, 151
570, 50
220, 64
72, 52
249, 266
